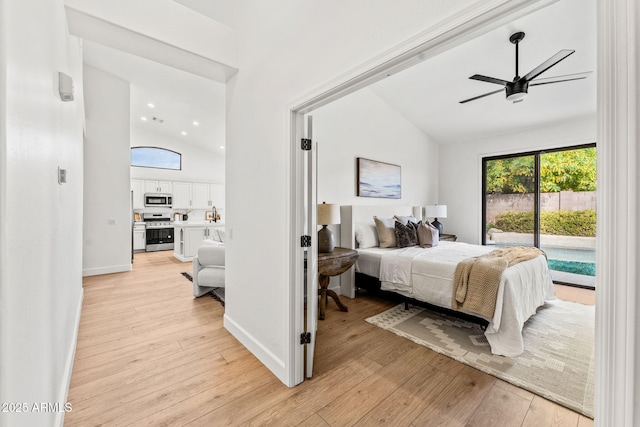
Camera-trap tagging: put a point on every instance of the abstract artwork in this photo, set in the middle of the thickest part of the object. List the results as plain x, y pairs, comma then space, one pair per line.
378, 179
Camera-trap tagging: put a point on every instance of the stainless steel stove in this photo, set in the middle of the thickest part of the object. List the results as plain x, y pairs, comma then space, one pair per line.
159, 231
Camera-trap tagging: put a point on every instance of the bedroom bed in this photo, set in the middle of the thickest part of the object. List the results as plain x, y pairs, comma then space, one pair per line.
427, 275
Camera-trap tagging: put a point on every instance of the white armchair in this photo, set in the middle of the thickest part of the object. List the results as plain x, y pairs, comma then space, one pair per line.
208, 268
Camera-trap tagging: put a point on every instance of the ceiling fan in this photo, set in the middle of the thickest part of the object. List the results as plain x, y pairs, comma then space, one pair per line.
517, 89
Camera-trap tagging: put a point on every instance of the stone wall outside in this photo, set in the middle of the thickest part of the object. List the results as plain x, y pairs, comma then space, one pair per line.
564, 200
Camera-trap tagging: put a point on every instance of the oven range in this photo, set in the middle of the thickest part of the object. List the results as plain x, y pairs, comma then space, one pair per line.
159, 231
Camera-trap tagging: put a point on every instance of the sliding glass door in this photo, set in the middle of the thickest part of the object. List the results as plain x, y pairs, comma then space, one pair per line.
545, 199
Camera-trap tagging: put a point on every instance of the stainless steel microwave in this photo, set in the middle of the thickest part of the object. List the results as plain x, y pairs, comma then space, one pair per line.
157, 200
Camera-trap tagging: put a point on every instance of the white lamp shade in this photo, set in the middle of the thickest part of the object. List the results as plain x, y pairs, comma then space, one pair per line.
328, 214
436, 211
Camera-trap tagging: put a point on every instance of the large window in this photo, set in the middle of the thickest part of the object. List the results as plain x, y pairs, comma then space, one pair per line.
545, 199
155, 157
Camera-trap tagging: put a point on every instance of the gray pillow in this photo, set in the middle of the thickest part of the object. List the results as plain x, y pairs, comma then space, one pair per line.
428, 235
405, 234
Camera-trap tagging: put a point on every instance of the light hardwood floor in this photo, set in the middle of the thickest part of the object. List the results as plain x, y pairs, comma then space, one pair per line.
149, 354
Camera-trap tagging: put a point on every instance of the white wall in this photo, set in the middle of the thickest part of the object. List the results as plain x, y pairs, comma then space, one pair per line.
40, 220
460, 179
197, 164
288, 48
363, 125
107, 190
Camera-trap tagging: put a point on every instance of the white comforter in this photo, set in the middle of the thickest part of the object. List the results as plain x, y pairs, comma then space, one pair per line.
427, 275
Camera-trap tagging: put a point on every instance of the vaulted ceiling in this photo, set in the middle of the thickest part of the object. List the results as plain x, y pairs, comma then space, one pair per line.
427, 94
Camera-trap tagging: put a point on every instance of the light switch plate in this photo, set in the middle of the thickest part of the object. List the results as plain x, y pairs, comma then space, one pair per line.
62, 176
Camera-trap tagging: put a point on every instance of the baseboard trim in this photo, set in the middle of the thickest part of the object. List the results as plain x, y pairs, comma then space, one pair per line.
68, 369
106, 270
273, 363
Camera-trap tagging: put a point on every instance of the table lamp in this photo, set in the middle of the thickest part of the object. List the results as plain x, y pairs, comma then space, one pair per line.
327, 214
437, 211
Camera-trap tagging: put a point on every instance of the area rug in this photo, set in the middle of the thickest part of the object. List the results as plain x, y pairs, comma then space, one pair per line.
216, 293
557, 364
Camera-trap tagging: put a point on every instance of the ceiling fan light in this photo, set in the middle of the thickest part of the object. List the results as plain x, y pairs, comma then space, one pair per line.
515, 97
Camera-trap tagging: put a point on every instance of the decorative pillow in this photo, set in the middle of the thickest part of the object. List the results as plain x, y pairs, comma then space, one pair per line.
428, 235
405, 234
220, 234
386, 232
366, 236
406, 218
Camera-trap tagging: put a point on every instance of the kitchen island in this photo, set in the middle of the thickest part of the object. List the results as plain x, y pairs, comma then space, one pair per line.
190, 234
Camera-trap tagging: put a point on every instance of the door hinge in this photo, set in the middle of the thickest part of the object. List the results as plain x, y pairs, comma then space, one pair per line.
305, 241
305, 144
305, 338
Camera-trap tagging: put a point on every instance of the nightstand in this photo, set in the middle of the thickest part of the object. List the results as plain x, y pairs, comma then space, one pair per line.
333, 264
448, 237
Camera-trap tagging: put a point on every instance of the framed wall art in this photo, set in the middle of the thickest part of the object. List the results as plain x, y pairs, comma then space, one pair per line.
378, 179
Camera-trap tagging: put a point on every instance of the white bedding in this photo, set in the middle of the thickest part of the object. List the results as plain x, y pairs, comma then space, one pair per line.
427, 275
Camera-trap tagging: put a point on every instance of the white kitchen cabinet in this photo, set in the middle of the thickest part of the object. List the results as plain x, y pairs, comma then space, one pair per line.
139, 237
200, 194
206, 196
137, 187
193, 237
182, 198
151, 186
189, 237
216, 193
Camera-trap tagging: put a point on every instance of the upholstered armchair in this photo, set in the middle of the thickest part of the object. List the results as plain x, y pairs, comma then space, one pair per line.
208, 268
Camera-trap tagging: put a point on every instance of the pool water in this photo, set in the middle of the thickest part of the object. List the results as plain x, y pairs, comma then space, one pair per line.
577, 261
576, 267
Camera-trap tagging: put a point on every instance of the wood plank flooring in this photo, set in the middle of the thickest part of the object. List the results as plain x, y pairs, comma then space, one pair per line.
149, 354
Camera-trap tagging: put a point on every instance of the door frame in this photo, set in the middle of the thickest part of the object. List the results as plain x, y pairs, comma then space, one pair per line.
459, 28
617, 255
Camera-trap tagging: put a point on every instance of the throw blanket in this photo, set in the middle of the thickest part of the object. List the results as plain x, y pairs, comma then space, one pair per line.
476, 280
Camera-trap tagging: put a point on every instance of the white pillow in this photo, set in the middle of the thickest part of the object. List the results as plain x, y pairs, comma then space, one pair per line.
366, 235
403, 219
220, 234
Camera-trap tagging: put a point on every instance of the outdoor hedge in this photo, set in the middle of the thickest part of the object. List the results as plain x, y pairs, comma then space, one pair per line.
559, 223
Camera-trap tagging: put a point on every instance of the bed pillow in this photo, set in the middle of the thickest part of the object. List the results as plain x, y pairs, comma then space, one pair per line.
366, 236
386, 232
428, 235
405, 234
406, 218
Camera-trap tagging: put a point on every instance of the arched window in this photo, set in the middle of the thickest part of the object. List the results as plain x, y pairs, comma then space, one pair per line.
155, 157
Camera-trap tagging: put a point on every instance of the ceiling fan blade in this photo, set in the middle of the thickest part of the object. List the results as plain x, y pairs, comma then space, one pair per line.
489, 79
481, 96
564, 78
547, 64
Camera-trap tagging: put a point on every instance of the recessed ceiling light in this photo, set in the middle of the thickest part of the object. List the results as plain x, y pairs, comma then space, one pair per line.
196, 123
222, 147
150, 105
183, 132
143, 118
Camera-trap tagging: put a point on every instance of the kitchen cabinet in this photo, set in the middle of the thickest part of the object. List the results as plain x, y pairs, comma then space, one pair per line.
139, 237
157, 187
189, 237
137, 187
206, 196
200, 192
182, 195
193, 240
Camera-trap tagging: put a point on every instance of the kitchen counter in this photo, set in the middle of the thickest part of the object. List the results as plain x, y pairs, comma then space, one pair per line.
190, 234
197, 223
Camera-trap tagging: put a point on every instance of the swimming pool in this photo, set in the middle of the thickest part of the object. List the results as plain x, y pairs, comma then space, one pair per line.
577, 261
